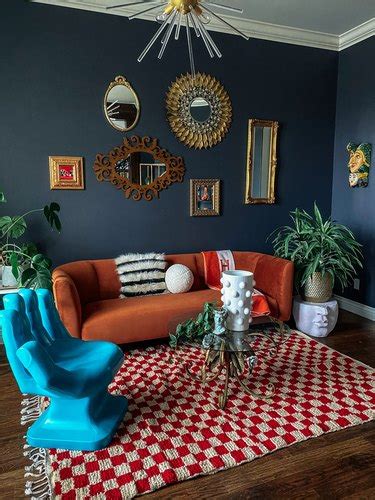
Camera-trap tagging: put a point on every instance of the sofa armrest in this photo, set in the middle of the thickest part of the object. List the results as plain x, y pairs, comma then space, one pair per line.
67, 302
274, 277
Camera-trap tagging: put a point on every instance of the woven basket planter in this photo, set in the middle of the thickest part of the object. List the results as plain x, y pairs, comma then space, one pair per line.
318, 288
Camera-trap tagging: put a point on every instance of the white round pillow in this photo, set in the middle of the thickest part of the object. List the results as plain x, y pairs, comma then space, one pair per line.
179, 278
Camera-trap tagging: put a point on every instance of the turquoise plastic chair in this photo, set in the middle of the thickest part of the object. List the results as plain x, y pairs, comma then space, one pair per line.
72, 373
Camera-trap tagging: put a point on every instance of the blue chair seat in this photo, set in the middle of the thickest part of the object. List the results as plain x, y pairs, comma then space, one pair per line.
82, 355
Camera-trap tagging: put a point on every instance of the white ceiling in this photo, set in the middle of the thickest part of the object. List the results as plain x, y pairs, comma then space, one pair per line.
330, 24
327, 16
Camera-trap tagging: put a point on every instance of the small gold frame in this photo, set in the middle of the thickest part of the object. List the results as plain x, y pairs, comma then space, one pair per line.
196, 209
270, 199
121, 80
66, 172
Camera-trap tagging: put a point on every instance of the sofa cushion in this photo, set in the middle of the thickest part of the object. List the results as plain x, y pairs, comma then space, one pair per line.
142, 318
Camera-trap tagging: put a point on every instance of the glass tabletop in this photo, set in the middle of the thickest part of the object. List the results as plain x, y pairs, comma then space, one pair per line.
272, 333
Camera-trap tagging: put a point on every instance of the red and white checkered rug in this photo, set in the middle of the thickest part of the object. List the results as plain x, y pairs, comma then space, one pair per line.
174, 430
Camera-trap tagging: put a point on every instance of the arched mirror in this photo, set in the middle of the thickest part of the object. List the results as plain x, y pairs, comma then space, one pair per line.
139, 167
121, 105
199, 110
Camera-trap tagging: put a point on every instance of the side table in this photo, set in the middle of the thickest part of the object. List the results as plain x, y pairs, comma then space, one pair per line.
315, 319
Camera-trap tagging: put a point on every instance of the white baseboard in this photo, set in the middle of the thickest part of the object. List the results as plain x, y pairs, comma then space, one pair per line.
356, 307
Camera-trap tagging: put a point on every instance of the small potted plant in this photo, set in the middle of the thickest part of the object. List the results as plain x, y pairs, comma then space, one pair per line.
22, 263
324, 252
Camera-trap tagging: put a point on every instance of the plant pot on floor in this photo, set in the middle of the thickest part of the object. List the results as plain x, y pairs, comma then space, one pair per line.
318, 288
8, 279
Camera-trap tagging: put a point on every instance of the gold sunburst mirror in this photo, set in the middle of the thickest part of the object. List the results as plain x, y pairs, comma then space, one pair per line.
199, 110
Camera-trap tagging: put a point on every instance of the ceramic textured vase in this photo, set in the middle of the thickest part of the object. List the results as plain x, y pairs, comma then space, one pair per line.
7, 277
318, 288
236, 296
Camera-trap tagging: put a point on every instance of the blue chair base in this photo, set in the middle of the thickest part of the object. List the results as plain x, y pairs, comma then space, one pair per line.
93, 427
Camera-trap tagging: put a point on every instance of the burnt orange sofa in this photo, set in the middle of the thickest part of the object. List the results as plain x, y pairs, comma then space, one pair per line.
86, 294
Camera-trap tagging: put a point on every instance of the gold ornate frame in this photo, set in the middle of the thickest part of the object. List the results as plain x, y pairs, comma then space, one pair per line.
189, 131
56, 182
121, 80
105, 168
272, 164
195, 211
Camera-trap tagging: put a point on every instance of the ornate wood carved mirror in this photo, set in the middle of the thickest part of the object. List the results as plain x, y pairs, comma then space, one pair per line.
261, 162
139, 167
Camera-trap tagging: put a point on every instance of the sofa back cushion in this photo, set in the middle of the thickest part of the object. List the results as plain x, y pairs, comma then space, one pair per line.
98, 279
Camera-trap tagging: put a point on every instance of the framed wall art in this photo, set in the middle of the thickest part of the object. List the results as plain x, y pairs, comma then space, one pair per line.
204, 197
359, 163
66, 172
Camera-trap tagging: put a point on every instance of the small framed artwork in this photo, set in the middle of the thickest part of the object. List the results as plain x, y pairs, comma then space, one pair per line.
204, 197
66, 172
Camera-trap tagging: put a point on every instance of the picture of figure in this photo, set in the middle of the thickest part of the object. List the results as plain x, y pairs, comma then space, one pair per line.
66, 172
205, 197
359, 163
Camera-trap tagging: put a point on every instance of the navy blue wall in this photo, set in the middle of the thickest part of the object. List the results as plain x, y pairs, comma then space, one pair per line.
355, 121
56, 64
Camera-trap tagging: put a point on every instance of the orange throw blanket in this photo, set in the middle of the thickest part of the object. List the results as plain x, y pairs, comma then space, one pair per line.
222, 260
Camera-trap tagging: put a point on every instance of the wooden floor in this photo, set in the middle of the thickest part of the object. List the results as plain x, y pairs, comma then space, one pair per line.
338, 465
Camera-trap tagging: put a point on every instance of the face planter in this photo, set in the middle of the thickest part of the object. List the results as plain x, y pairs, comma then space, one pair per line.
317, 320
359, 164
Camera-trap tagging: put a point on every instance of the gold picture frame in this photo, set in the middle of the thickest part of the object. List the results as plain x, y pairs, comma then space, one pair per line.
204, 197
269, 167
66, 172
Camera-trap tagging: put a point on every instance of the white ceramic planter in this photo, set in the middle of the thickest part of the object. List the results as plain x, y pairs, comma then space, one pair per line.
315, 319
236, 296
8, 278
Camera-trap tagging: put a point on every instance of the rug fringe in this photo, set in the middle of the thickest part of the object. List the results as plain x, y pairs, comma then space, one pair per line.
37, 485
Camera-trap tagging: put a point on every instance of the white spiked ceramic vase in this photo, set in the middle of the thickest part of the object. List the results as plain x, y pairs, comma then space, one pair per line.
236, 296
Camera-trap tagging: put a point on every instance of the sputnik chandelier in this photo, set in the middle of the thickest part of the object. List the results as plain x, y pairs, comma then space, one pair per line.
193, 14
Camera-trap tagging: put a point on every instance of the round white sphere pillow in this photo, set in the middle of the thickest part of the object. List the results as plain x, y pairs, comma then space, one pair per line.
179, 278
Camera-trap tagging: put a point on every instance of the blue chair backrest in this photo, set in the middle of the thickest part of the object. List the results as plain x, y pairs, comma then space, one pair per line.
16, 332
50, 316
26, 301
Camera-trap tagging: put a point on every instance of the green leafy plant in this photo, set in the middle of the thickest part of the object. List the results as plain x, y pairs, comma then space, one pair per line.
315, 245
194, 329
31, 268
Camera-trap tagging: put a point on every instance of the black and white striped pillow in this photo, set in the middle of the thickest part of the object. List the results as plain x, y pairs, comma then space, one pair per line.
141, 274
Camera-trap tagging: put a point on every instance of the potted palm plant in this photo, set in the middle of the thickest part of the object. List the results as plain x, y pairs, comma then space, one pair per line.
22, 263
324, 253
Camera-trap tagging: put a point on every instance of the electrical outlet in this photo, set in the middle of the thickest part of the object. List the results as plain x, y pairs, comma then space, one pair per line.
356, 284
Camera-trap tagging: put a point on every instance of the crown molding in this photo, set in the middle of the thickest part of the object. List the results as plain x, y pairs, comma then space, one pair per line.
254, 29
357, 34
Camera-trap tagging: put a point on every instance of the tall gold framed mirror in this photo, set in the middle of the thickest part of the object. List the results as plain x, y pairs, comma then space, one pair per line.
261, 162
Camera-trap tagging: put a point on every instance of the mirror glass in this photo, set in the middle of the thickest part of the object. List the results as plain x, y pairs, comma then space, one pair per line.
121, 105
140, 168
261, 162
200, 109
